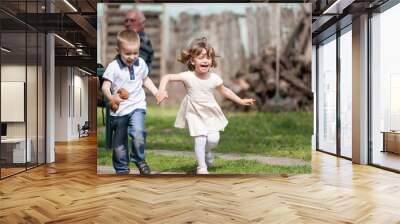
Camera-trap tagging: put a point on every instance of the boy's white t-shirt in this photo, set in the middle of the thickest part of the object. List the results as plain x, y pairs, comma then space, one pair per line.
119, 75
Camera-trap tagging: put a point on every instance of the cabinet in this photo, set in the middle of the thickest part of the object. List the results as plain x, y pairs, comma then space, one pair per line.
13, 150
391, 141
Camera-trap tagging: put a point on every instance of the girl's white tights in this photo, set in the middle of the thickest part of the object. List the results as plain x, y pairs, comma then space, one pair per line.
202, 145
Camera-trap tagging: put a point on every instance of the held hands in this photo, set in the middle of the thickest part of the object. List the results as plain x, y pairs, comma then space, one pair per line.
161, 96
247, 102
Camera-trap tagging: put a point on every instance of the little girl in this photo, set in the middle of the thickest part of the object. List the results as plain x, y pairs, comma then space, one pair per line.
199, 110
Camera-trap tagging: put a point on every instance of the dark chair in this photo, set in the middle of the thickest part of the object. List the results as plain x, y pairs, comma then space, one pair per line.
84, 130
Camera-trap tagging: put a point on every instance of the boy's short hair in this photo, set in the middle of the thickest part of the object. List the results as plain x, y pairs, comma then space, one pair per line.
129, 36
195, 49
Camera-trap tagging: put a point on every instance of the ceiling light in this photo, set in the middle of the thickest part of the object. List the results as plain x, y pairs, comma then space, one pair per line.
64, 40
80, 51
331, 7
70, 5
337, 7
5, 50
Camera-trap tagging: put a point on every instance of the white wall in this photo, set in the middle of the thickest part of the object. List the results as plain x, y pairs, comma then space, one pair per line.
14, 73
33, 127
79, 117
71, 87
17, 73
61, 103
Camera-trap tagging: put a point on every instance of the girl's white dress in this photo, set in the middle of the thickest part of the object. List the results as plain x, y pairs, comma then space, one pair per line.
199, 110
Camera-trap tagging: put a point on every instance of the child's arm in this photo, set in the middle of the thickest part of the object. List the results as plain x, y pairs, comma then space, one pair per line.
227, 93
166, 78
164, 81
106, 91
149, 84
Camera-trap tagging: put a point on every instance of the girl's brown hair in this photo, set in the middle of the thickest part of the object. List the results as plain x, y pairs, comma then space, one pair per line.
195, 50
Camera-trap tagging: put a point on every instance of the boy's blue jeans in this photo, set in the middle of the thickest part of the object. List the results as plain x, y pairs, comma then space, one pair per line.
120, 124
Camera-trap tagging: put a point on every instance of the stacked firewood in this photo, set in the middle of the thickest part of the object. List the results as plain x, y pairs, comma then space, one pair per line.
291, 89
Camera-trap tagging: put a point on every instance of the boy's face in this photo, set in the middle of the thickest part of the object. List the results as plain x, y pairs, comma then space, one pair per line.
129, 52
202, 62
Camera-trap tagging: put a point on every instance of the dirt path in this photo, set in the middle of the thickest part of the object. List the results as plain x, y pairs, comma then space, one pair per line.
280, 161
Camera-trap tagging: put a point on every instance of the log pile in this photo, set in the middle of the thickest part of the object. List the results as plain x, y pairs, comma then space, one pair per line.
294, 82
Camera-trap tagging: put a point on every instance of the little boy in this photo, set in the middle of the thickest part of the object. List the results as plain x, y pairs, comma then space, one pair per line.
128, 72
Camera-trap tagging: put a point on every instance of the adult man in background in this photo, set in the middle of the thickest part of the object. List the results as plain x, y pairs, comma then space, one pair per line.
135, 20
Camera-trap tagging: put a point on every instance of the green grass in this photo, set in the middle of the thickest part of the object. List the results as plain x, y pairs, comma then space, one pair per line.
271, 134
100, 117
101, 139
188, 165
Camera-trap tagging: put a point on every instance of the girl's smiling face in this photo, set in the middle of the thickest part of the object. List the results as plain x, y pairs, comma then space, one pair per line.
202, 62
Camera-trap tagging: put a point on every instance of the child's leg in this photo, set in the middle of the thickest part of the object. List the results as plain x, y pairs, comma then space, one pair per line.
120, 155
212, 141
138, 133
199, 149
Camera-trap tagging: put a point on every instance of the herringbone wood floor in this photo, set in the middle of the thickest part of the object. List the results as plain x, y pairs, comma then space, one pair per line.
70, 191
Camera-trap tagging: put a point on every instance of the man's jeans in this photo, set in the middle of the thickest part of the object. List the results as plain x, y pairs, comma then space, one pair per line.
119, 124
